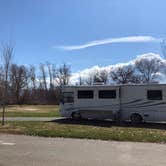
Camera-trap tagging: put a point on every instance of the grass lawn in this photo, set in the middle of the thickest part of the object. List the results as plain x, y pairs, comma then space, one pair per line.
32, 111
87, 130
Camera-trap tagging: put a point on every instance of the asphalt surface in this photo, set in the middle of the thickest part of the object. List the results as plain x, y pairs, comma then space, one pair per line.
17, 150
32, 118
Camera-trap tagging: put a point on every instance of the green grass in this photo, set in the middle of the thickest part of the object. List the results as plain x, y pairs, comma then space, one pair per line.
55, 129
32, 111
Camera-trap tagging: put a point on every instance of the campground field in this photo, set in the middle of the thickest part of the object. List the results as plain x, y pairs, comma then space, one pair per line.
68, 128
32, 111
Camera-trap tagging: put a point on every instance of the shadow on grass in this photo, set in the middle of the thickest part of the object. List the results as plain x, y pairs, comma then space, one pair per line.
102, 123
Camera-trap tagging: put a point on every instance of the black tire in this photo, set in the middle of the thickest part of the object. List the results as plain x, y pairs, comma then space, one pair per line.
136, 118
76, 116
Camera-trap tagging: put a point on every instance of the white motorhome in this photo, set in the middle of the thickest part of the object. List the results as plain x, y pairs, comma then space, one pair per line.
138, 103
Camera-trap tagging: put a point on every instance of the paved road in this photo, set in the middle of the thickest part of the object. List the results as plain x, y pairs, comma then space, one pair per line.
32, 118
16, 150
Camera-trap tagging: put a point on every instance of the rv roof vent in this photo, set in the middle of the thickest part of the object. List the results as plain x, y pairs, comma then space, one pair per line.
98, 83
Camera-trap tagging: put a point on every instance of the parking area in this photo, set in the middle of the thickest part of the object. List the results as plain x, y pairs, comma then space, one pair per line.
18, 150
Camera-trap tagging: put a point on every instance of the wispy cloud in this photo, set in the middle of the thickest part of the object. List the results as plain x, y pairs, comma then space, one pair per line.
129, 39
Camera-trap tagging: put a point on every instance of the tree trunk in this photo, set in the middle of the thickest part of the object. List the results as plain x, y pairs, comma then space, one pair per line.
3, 115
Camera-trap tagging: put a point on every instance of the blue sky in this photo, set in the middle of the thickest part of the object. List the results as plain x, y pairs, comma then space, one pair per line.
39, 27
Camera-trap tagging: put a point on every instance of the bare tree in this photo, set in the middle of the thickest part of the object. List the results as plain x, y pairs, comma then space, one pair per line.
1, 82
18, 80
101, 77
50, 73
32, 75
90, 79
80, 80
6, 55
148, 69
123, 75
95, 77
63, 75
54, 75
43, 76
104, 76
1, 76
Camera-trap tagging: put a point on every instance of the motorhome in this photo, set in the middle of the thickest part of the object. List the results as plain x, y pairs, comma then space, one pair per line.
136, 103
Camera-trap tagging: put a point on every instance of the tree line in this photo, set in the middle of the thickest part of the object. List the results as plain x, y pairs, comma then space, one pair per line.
22, 84
141, 72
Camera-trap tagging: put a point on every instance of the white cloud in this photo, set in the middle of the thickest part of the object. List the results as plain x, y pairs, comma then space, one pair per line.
128, 39
90, 71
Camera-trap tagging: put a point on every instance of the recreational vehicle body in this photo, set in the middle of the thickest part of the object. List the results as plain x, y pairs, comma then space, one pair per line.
136, 103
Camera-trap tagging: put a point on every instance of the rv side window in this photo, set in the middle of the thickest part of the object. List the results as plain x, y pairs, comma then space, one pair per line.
68, 97
107, 94
154, 94
85, 94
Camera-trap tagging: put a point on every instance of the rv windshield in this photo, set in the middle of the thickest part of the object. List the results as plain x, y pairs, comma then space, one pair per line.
68, 97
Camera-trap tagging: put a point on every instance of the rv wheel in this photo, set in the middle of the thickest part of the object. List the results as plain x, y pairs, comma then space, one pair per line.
136, 118
76, 116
